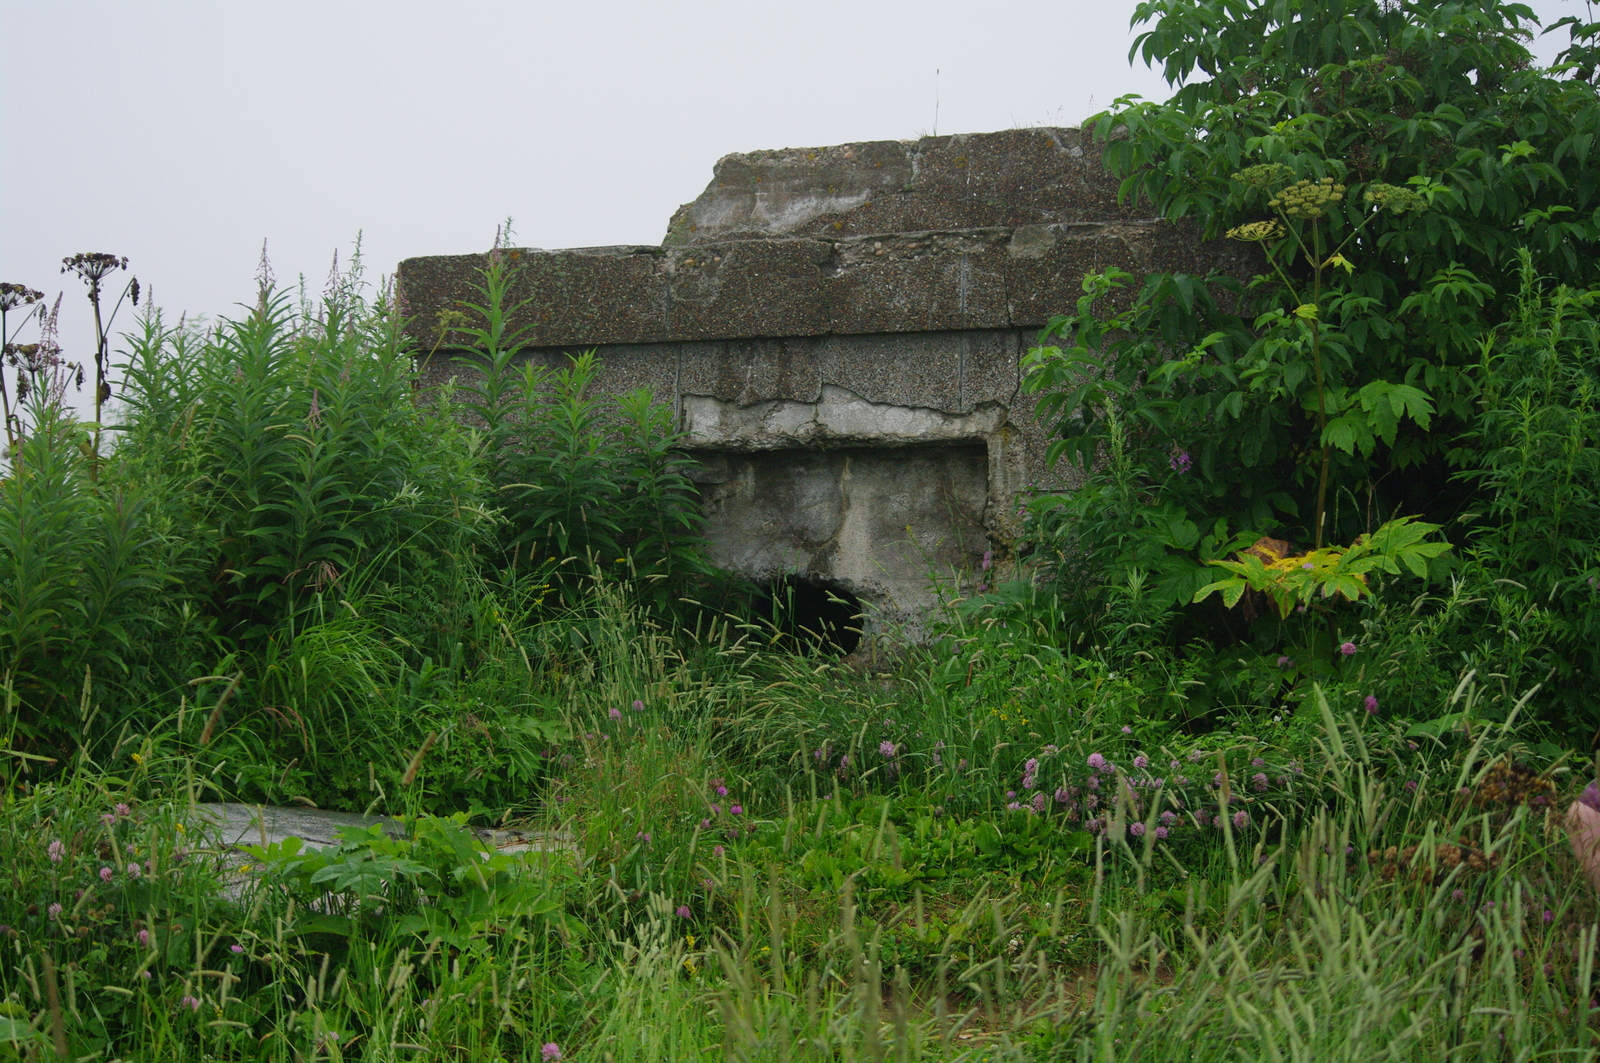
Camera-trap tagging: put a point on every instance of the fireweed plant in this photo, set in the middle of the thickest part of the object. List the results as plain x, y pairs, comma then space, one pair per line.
287, 554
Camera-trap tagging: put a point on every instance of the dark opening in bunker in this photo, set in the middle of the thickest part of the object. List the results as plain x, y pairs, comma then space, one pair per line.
812, 616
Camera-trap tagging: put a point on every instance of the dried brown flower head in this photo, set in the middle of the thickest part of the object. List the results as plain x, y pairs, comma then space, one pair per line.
15, 295
1392, 861
1508, 783
93, 266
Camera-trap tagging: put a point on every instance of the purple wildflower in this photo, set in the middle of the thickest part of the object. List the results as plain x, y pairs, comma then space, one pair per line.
192, 1003
1260, 780
105, 874
887, 749
236, 948
1180, 462
737, 810
143, 937
1241, 819
1136, 829
616, 713
1063, 795
550, 1051
638, 706
1127, 730
1371, 702
683, 911
133, 870
122, 809
1040, 802
1096, 761
1285, 661
1141, 762
56, 851
1347, 648
705, 824
1162, 832
54, 911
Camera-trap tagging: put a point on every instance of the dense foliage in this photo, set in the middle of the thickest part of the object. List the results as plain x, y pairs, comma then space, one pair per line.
287, 554
1269, 764
1427, 217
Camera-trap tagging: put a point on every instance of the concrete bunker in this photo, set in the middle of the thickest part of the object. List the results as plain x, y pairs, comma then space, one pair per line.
839, 332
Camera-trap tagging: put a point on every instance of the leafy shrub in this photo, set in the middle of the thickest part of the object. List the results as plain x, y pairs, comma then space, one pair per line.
587, 481
83, 573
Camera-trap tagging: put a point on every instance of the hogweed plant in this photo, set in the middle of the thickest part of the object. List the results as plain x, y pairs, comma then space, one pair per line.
1303, 229
22, 359
94, 268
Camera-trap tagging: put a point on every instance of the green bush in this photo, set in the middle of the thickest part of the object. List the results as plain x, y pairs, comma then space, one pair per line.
588, 482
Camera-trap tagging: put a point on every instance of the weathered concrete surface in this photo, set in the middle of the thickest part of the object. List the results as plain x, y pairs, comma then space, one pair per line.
872, 521
1017, 178
233, 825
838, 331
926, 281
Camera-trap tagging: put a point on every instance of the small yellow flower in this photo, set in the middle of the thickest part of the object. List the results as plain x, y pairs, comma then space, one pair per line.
138, 758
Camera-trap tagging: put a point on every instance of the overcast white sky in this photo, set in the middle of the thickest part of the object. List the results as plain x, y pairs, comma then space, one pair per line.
183, 134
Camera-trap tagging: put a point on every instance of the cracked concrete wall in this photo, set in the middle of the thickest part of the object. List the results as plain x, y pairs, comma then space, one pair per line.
838, 331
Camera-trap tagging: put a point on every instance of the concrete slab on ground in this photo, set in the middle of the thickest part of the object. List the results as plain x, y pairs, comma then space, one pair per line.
235, 825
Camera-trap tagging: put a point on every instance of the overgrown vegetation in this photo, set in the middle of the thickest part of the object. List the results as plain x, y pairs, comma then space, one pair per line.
1426, 214
1266, 756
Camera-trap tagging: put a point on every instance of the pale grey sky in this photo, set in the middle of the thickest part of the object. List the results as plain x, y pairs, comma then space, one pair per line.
182, 134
